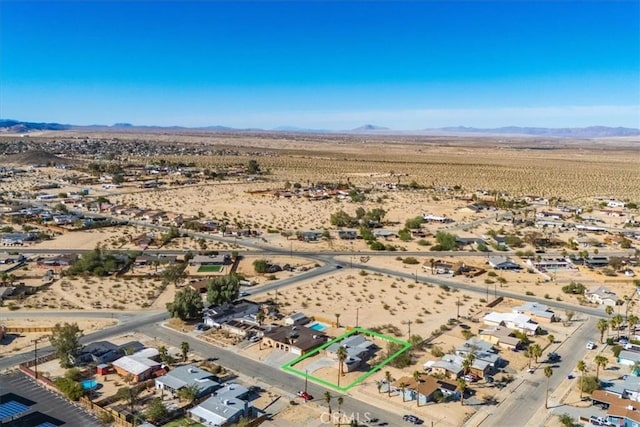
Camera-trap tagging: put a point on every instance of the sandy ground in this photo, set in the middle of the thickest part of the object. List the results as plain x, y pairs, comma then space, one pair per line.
19, 342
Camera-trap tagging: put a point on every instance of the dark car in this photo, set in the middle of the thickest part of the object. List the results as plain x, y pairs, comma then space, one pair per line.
554, 357
412, 419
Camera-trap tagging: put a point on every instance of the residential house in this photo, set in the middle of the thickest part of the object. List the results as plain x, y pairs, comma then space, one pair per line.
358, 348
515, 321
347, 234
188, 376
57, 263
296, 319
620, 412
500, 336
220, 259
98, 352
462, 242
601, 295
546, 264
538, 312
225, 408
139, 366
503, 263
146, 260
449, 366
216, 316
435, 218
425, 389
483, 352
629, 358
596, 261
294, 339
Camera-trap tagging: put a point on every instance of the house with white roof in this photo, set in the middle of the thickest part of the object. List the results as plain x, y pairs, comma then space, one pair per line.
537, 311
519, 322
138, 367
601, 295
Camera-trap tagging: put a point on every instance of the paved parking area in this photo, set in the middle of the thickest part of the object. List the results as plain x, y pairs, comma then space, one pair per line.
49, 407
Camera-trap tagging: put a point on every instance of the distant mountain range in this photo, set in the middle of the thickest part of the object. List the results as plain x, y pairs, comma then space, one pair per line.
16, 126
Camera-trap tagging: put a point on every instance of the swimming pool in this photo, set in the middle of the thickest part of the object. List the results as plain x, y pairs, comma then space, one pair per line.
89, 384
317, 326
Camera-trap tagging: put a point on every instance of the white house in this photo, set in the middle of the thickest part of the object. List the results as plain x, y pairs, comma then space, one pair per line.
601, 295
519, 322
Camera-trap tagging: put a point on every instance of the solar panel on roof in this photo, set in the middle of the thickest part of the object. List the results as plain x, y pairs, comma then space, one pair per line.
11, 409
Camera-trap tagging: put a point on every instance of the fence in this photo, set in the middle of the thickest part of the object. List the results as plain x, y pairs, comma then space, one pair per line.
33, 329
105, 413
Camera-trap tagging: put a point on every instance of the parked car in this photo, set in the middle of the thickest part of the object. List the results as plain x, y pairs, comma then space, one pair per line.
553, 357
412, 419
244, 294
304, 395
591, 345
255, 338
470, 378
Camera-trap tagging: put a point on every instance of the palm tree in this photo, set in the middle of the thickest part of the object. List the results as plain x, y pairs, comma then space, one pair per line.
379, 384
387, 376
467, 363
632, 321
417, 376
582, 368
184, 347
600, 361
432, 263
529, 353
403, 387
337, 319
129, 394
260, 316
461, 387
602, 326
327, 398
547, 373
609, 310
551, 339
340, 401
618, 322
189, 393
341, 353
536, 351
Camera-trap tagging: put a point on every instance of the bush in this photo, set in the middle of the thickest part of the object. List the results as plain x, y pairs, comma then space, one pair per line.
410, 260
616, 349
589, 384
575, 288
437, 351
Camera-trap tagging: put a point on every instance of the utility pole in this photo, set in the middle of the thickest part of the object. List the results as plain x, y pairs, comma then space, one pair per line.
458, 308
306, 379
357, 310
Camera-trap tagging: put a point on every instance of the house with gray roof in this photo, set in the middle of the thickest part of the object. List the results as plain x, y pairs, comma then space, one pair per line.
224, 408
499, 262
601, 295
358, 348
188, 376
628, 358
483, 351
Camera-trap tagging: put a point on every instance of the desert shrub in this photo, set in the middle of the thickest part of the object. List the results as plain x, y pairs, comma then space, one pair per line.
589, 384
437, 351
575, 288
410, 260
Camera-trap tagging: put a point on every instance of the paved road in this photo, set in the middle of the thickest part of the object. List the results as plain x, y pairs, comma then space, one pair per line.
268, 375
122, 328
523, 399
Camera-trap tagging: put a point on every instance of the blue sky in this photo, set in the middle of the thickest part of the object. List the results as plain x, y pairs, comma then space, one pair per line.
322, 64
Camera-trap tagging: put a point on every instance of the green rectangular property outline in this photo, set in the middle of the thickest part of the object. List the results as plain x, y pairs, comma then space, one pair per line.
289, 366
